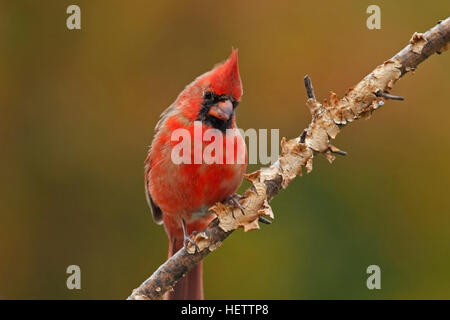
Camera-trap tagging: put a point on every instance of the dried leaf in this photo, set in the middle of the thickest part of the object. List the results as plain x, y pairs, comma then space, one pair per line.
293, 157
309, 166
313, 106
202, 242
329, 156
418, 41
227, 222
334, 100
266, 210
253, 204
214, 246
317, 137
332, 129
251, 225
254, 176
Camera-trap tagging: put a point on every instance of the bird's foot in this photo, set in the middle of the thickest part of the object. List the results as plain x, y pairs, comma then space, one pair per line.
188, 239
233, 199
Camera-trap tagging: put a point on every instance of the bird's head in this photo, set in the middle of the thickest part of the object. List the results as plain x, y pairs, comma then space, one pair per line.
213, 97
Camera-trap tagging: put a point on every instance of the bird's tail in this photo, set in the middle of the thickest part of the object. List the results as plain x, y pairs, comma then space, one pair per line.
190, 287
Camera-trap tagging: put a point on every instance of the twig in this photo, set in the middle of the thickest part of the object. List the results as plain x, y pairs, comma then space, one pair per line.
385, 95
327, 120
309, 88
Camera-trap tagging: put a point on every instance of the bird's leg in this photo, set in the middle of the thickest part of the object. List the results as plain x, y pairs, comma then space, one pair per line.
233, 199
187, 237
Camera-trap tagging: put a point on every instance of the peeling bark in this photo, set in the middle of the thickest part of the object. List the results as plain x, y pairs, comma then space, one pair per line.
328, 118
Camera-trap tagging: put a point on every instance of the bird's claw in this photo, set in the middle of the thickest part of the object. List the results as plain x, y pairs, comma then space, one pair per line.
233, 199
188, 239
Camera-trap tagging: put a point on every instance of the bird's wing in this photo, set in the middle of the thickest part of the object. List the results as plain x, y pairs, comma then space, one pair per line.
156, 211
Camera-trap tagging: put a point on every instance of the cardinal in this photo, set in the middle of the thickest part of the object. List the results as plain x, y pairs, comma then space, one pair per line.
179, 194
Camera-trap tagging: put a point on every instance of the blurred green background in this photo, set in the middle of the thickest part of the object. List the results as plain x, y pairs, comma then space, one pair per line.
78, 110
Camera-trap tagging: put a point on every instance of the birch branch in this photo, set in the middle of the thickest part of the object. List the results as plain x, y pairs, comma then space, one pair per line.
328, 118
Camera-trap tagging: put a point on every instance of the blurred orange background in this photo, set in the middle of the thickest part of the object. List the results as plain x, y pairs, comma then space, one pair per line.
78, 110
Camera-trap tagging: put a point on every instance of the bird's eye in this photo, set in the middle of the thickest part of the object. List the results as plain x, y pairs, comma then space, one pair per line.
208, 95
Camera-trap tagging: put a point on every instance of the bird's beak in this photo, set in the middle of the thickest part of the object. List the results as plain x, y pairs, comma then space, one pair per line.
222, 110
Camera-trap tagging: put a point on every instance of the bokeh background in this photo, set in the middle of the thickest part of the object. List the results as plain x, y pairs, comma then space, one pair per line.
78, 110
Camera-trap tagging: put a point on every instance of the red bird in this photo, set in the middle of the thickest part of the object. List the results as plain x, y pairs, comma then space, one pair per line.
179, 195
